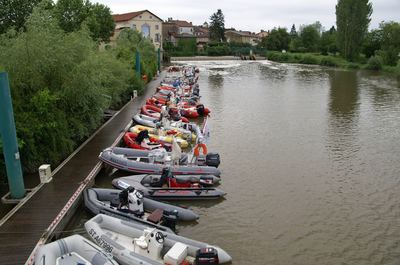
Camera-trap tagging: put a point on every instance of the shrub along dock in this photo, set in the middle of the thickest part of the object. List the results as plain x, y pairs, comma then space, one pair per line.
51, 207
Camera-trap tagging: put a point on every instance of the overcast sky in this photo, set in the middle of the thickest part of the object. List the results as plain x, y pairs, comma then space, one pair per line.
254, 15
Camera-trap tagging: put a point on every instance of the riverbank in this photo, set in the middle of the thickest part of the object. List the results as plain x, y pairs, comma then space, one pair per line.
210, 58
65, 190
324, 60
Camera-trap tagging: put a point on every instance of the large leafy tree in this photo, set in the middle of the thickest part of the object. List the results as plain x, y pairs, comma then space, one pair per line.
328, 41
390, 42
13, 13
277, 40
71, 14
310, 38
217, 26
100, 22
352, 20
372, 42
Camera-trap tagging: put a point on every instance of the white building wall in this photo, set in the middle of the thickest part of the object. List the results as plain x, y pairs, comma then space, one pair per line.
142, 22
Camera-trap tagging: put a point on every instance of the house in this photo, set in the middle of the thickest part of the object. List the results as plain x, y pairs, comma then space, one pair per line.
262, 34
143, 21
241, 37
173, 30
202, 34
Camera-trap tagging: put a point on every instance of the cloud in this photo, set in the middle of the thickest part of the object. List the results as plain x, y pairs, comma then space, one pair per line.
254, 14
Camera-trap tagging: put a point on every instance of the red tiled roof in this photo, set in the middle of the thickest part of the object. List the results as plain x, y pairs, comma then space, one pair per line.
181, 23
126, 16
129, 16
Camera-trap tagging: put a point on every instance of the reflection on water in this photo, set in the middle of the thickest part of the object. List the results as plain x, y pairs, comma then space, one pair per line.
343, 119
343, 94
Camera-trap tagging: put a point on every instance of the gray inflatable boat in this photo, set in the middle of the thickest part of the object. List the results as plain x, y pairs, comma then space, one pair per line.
132, 243
105, 200
145, 120
151, 189
72, 250
153, 162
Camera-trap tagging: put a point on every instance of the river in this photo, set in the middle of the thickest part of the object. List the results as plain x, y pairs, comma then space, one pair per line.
310, 162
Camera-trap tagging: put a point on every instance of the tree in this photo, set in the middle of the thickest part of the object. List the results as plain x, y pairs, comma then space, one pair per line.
277, 40
293, 32
352, 20
328, 41
71, 13
100, 22
13, 13
390, 42
60, 82
372, 42
217, 26
310, 38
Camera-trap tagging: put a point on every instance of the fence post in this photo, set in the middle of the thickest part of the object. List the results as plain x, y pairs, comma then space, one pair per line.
138, 70
9, 139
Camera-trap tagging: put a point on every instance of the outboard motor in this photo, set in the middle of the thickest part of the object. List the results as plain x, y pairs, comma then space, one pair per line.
196, 91
174, 114
169, 219
213, 159
206, 256
200, 109
135, 199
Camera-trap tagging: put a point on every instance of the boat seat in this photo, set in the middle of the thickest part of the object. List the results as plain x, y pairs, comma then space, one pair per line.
176, 254
155, 216
141, 242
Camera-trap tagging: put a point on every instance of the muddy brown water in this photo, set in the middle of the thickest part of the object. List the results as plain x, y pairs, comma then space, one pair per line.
310, 162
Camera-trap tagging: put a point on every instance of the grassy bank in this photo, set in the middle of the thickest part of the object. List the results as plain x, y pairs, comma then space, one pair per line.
324, 60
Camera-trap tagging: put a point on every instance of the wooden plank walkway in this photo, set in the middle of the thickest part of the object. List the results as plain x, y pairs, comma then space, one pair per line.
19, 235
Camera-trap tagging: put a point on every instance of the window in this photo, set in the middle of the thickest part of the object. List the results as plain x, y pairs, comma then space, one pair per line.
146, 30
151, 17
157, 27
157, 39
133, 27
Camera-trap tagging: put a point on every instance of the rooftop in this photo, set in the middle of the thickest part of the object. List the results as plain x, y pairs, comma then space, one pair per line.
130, 15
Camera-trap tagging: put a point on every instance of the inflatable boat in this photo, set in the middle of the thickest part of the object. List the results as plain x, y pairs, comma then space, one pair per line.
130, 140
177, 132
132, 243
74, 249
152, 188
150, 121
153, 162
107, 201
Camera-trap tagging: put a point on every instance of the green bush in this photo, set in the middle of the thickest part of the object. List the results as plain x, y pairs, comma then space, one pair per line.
375, 63
218, 50
353, 66
309, 59
328, 61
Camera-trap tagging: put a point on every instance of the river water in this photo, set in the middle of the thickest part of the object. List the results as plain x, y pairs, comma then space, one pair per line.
310, 162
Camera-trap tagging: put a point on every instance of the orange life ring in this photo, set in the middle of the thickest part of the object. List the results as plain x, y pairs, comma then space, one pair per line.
197, 148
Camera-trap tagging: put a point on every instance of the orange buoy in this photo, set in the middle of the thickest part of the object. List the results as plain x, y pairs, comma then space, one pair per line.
197, 148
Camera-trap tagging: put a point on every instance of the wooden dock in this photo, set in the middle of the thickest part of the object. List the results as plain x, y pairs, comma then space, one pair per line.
50, 207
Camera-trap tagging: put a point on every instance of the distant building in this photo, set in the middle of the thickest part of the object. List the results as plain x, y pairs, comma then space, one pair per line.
241, 37
202, 36
173, 30
143, 21
262, 34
